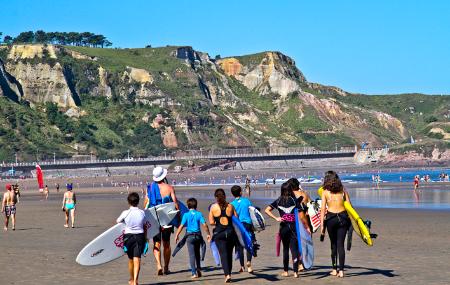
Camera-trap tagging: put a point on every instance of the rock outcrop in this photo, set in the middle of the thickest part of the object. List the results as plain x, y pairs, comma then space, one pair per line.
42, 83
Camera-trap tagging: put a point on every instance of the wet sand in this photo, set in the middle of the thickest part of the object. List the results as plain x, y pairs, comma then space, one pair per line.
413, 247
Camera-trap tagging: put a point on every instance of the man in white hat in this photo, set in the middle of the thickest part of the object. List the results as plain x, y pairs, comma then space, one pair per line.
167, 195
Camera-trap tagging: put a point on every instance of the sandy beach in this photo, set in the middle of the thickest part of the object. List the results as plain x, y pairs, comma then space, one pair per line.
413, 247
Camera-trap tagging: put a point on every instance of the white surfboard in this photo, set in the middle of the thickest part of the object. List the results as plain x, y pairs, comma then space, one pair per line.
314, 213
259, 224
109, 245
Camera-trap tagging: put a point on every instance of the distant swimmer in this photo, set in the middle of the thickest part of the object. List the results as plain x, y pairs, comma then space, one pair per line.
68, 205
46, 192
416, 182
16, 190
247, 185
9, 207
336, 220
286, 204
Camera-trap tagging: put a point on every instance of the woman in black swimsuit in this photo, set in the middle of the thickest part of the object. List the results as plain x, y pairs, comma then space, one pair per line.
286, 205
223, 234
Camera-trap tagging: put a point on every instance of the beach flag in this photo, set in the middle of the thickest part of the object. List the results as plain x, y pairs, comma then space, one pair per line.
40, 177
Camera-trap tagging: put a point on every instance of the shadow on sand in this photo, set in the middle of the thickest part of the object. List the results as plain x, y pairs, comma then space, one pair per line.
319, 272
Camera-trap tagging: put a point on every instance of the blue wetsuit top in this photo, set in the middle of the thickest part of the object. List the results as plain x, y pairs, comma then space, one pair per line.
192, 220
241, 205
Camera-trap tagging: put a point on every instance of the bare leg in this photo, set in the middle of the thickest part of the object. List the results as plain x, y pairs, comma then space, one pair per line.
131, 271
73, 217
157, 254
66, 212
13, 219
137, 268
167, 253
6, 223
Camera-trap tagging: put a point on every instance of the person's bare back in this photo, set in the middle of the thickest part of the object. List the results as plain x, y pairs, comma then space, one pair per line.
9, 198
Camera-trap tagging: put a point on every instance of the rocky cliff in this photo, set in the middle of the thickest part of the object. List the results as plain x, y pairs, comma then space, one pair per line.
111, 100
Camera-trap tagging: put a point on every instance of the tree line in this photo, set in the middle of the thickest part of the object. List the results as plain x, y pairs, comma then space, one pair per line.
63, 38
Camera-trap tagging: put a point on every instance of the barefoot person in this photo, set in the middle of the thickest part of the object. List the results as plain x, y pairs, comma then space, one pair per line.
241, 205
68, 205
192, 221
160, 192
303, 199
134, 238
46, 192
336, 220
224, 235
9, 207
286, 205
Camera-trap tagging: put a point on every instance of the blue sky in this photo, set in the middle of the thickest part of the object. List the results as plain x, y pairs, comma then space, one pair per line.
374, 47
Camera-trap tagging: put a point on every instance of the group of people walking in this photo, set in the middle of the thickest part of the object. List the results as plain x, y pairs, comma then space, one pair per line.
11, 198
335, 220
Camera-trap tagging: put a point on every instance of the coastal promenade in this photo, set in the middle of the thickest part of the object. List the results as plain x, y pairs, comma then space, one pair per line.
237, 154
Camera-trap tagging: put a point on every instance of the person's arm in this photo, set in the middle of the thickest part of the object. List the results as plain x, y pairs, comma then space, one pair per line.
74, 199
3, 202
322, 211
347, 197
63, 200
174, 198
177, 235
122, 216
211, 217
269, 210
206, 229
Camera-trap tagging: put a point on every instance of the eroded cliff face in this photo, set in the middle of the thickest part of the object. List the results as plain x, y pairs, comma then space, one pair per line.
34, 81
233, 102
42, 83
275, 73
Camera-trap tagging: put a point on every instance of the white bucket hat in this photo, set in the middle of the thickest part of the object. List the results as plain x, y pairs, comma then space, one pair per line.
159, 173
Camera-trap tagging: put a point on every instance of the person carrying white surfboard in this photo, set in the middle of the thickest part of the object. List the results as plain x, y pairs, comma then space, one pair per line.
286, 205
242, 204
335, 220
160, 192
134, 238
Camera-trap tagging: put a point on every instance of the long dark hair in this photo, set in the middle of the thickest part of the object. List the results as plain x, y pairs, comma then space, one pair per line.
221, 198
294, 183
332, 182
286, 191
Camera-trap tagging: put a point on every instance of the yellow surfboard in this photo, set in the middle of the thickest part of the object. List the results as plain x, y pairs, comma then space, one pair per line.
358, 224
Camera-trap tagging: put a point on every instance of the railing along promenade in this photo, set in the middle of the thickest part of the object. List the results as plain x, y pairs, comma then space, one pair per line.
231, 154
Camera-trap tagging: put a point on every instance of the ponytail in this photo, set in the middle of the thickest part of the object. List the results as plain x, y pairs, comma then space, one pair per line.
221, 198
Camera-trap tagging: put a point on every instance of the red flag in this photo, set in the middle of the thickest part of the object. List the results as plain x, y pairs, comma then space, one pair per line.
40, 177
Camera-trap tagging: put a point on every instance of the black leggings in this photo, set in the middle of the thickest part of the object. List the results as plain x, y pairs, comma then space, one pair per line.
337, 227
225, 241
240, 248
289, 240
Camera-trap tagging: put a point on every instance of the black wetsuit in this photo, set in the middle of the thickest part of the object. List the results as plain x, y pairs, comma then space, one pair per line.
337, 225
225, 239
285, 207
